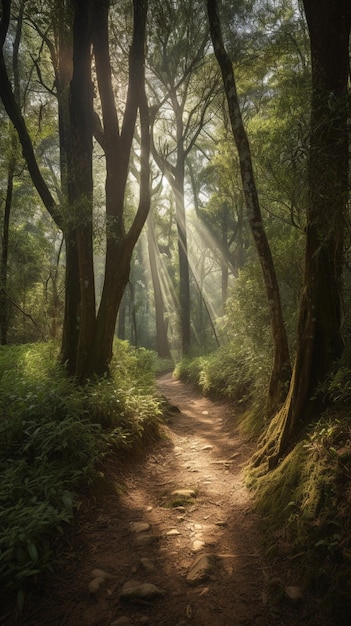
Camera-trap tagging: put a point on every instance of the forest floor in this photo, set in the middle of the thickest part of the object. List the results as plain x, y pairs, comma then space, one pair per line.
177, 539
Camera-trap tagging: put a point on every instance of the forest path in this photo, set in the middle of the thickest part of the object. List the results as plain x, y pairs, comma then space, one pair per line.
198, 563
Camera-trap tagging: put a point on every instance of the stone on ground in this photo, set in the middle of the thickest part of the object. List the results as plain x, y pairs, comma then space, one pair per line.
96, 584
145, 539
201, 569
135, 590
147, 564
139, 527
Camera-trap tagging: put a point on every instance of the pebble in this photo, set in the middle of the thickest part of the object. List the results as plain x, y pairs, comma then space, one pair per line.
139, 527
197, 545
133, 590
147, 564
145, 539
95, 584
201, 569
184, 493
100, 573
294, 593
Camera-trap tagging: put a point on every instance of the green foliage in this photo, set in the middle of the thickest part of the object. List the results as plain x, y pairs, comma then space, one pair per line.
338, 386
306, 504
190, 369
231, 372
52, 436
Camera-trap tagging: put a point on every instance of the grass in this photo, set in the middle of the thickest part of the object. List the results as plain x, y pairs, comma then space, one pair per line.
53, 435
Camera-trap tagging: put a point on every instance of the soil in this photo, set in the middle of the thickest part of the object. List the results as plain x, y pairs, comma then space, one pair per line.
201, 452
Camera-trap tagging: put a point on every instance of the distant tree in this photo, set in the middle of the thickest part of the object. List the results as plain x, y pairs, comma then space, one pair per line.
163, 349
181, 90
221, 208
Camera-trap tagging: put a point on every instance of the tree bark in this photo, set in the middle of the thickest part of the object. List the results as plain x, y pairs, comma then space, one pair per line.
281, 362
184, 275
87, 339
163, 350
80, 179
62, 59
117, 147
319, 328
5, 249
14, 112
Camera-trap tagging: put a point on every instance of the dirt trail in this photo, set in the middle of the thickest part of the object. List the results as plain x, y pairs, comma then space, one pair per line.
202, 453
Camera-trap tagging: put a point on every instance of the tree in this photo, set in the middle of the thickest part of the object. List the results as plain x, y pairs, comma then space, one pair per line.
281, 365
117, 147
5, 240
181, 91
319, 329
87, 335
12, 161
163, 349
222, 210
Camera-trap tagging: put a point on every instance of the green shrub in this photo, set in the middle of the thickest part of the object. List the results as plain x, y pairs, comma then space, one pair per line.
53, 434
229, 372
190, 369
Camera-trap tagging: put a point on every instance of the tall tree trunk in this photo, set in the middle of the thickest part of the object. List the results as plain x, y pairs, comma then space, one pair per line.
5, 247
184, 277
70, 332
224, 258
80, 179
163, 350
281, 361
117, 146
319, 328
62, 58
9, 187
88, 348
175, 176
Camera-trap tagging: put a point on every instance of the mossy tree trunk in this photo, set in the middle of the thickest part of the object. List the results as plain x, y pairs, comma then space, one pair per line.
319, 327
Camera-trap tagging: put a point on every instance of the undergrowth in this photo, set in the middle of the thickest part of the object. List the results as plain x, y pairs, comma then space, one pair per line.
230, 372
53, 435
306, 506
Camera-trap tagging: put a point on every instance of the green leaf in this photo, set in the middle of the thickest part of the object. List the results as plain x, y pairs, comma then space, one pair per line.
20, 600
33, 552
